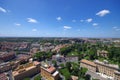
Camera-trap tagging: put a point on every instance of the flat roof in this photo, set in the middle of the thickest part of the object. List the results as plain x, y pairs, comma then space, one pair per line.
88, 62
108, 65
16, 72
50, 69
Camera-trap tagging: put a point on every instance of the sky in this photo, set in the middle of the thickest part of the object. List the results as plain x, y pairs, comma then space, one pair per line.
60, 18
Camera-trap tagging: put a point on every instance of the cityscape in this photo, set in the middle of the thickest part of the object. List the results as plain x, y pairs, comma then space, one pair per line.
59, 40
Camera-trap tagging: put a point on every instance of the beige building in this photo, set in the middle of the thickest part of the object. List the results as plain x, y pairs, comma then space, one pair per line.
26, 70
112, 71
105, 68
88, 64
49, 72
117, 75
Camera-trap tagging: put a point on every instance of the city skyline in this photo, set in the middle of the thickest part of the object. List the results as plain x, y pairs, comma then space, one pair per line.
59, 18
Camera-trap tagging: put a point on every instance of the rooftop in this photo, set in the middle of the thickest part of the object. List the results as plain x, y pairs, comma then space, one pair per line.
106, 64
25, 67
3, 76
88, 62
48, 68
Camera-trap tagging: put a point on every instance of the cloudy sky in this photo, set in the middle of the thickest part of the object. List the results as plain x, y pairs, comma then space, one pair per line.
60, 18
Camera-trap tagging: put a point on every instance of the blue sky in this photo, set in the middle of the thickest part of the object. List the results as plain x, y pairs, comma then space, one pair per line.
60, 18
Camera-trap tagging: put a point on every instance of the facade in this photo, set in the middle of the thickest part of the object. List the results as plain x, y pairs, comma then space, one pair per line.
26, 70
88, 64
105, 68
117, 75
49, 72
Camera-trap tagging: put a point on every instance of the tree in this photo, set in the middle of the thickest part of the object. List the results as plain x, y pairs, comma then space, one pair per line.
68, 66
39, 55
38, 77
82, 72
87, 77
55, 63
62, 65
65, 72
26, 79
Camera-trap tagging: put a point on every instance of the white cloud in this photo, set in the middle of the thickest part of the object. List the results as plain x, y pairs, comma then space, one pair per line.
31, 20
103, 13
17, 24
67, 27
59, 18
34, 30
81, 20
115, 27
73, 20
89, 20
3, 10
95, 24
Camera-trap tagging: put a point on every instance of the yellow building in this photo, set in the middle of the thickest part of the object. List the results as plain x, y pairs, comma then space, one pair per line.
26, 70
49, 72
88, 64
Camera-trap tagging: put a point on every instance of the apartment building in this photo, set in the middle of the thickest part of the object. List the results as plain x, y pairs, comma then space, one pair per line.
106, 68
117, 75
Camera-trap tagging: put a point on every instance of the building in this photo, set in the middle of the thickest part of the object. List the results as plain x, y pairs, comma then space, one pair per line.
88, 64
117, 75
23, 58
49, 72
26, 70
58, 58
6, 56
6, 66
102, 53
33, 51
3, 76
71, 58
106, 68
35, 45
